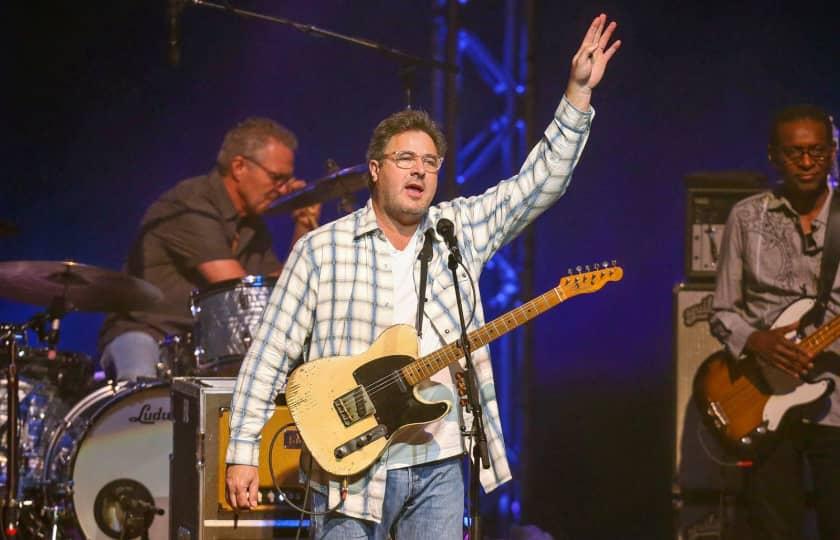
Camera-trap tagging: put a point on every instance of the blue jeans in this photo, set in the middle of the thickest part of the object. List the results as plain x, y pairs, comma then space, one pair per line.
421, 502
131, 355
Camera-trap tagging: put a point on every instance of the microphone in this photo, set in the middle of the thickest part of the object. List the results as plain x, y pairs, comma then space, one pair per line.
173, 16
446, 229
131, 504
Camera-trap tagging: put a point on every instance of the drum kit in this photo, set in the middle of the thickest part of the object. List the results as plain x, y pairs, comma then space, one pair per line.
85, 457
93, 457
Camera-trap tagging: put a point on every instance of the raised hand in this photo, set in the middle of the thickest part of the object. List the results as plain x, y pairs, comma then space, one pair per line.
590, 61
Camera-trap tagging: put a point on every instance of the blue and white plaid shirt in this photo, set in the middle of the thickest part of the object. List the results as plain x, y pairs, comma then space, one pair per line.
334, 297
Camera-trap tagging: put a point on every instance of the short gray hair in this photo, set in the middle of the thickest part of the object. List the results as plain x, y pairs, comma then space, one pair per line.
249, 137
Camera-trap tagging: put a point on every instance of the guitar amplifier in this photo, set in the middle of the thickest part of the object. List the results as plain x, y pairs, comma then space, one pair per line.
199, 511
710, 197
700, 486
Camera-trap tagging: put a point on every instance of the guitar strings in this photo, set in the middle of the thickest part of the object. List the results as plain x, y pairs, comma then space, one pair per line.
524, 310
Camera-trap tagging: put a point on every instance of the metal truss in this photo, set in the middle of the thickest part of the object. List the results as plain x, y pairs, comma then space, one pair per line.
486, 147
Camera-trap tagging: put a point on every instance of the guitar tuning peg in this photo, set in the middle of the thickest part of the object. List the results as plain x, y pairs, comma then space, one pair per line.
569, 271
614, 262
604, 264
578, 268
587, 268
596, 266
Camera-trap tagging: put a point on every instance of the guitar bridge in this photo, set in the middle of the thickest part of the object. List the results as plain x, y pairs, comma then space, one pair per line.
353, 406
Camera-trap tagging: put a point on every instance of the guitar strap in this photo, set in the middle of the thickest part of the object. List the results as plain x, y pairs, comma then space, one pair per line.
424, 258
830, 259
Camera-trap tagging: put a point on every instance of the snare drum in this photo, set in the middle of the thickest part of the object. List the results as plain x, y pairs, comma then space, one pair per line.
111, 451
226, 318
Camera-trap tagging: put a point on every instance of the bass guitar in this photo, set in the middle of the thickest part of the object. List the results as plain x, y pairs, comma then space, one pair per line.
347, 408
744, 402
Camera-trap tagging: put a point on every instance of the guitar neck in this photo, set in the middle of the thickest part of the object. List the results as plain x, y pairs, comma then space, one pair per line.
428, 365
824, 336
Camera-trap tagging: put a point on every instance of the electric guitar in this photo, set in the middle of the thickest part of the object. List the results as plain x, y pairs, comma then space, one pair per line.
347, 408
745, 404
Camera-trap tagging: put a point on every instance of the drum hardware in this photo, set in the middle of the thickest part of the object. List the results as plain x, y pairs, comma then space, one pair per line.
12, 504
129, 505
177, 357
15, 500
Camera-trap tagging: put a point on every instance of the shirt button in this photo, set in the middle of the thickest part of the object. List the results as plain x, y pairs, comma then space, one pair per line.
446, 331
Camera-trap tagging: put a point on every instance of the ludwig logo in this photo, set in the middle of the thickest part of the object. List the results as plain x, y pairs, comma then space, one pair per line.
149, 416
701, 311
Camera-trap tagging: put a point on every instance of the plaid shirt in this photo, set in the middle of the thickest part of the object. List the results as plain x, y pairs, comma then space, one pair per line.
333, 298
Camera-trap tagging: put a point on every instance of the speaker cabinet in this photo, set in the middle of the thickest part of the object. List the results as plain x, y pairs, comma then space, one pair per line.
703, 491
693, 343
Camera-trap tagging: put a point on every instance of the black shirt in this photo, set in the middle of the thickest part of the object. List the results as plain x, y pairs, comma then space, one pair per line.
192, 223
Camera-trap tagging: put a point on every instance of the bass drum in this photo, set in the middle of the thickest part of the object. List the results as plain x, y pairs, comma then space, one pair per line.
109, 463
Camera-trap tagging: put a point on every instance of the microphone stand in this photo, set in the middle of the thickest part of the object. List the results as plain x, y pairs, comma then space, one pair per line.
408, 61
477, 432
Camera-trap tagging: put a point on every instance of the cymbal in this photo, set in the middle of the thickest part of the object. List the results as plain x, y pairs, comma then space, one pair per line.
343, 182
82, 287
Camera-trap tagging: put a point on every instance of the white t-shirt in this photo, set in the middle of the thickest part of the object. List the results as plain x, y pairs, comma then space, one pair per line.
440, 439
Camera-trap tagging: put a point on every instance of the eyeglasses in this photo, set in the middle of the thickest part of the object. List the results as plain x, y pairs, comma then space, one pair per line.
405, 160
277, 178
816, 152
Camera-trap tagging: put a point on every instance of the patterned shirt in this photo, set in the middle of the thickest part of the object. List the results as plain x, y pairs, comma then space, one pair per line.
766, 264
334, 298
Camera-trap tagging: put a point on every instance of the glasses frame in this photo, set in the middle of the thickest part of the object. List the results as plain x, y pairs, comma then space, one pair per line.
796, 153
277, 178
393, 157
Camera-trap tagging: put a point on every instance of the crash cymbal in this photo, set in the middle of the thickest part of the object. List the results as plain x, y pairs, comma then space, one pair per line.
343, 182
80, 286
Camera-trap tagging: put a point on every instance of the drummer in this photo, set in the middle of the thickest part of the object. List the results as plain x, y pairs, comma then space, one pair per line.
205, 230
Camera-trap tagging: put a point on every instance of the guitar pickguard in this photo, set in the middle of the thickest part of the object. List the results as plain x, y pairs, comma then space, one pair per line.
384, 393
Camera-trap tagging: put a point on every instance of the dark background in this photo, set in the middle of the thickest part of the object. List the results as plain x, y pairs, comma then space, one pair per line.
98, 125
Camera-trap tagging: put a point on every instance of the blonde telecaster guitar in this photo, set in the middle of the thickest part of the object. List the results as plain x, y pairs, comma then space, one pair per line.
347, 408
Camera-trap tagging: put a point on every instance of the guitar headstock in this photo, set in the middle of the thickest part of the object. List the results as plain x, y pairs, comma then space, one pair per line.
588, 279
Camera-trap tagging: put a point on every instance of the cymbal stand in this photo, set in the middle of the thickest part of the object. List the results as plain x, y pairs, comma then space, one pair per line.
51, 320
55, 519
11, 506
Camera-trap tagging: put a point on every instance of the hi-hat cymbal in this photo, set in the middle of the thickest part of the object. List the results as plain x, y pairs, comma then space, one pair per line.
343, 182
81, 287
